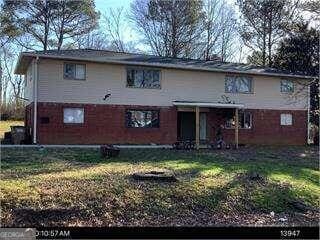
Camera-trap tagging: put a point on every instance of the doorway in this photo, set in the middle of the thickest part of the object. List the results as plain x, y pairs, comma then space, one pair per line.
186, 126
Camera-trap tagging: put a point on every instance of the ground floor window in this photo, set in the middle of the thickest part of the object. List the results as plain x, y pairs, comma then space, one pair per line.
142, 118
245, 121
286, 119
73, 115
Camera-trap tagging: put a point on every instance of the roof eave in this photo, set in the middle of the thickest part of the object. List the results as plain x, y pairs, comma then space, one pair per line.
161, 65
23, 63
16, 68
207, 104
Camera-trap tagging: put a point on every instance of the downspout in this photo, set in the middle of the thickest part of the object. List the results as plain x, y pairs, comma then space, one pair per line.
35, 99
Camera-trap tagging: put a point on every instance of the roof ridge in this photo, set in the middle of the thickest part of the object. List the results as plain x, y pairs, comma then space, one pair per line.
130, 53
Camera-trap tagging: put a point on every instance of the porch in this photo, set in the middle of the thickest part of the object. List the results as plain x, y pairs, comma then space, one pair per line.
194, 123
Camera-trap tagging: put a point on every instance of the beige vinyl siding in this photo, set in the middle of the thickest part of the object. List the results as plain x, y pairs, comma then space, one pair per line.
28, 91
175, 85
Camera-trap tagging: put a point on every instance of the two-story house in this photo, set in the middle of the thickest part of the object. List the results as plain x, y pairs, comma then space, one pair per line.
98, 97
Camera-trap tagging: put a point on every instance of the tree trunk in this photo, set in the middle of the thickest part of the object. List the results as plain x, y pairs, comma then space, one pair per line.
45, 40
270, 41
60, 41
4, 96
1, 82
207, 53
264, 43
264, 51
46, 26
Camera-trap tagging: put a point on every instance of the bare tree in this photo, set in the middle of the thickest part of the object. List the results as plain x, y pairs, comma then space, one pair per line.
115, 27
4, 82
219, 30
170, 27
95, 40
8, 57
229, 34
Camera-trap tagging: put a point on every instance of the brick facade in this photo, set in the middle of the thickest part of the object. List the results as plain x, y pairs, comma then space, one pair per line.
266, 128
106, 124
102, 124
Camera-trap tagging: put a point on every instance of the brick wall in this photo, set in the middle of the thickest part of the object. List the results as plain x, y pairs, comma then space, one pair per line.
103, 124
266, 128
106, 124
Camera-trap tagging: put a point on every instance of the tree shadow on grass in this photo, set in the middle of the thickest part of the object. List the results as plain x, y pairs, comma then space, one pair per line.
170, 201
29, 217
135, 203
233, 203
186, 164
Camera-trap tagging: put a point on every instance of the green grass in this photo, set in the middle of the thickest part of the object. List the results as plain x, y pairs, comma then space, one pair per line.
5, 126
76, 187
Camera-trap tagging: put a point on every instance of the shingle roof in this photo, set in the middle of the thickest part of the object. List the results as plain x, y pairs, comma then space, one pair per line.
156, 61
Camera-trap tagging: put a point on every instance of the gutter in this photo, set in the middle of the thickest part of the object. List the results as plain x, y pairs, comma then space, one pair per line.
35, 99
207, 104
160, 65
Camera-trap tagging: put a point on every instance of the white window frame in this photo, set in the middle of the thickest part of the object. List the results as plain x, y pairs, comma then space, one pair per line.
143, 69
244, 120
286, 119
74, 121
74, 77
288, 81
234, 79
144, 112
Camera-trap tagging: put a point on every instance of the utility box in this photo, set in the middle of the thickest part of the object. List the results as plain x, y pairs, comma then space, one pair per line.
18, 134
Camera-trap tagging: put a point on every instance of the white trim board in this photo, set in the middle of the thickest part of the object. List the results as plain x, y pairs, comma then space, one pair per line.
87, 146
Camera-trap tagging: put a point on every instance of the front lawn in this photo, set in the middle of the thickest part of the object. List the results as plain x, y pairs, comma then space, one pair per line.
75, 187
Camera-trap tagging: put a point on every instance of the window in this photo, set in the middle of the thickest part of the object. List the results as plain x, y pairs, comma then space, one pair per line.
286, 119
238, 84
142, 119
143, 78
286, 86
74, 71
73, 115
245, 121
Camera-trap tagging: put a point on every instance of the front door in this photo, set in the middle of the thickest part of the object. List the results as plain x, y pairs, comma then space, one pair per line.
203, 126
186, 126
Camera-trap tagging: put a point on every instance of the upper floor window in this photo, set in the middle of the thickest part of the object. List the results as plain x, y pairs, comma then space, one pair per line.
73, 115
286, 86
238, 84
245, 121
143, 78
142, 118
74, 71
